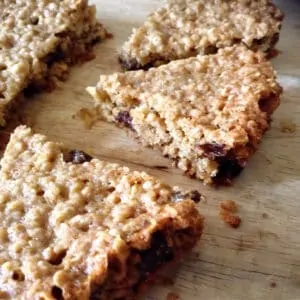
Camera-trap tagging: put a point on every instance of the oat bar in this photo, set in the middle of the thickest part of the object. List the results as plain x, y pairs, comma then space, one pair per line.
207, 113
39, 39
77, 228
185, 28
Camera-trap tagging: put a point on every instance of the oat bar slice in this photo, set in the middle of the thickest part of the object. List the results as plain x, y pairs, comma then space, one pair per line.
207, 113
185, 28
77, 228
39, 39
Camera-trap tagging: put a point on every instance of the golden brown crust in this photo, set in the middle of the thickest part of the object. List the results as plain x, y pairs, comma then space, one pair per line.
185, 28
67, 222
207, 113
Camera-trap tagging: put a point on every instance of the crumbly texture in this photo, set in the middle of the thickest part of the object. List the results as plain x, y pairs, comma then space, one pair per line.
232, 220
207, 113
76, 228
228, 205
39, 39
185, 28
228, 210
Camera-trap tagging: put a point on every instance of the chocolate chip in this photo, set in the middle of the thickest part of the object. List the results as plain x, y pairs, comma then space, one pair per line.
213, 150
193, 195
158, 254
124, 118
77, 157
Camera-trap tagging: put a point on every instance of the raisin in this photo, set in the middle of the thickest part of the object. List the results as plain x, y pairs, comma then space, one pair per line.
57, 293
124, 118
158, 254
213, 150
228, 169
195, 196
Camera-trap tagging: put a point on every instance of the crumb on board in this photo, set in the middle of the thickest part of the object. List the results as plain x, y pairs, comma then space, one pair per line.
287, 126
172, 296
227, 210
273, 284
228, 205
88, 116
232, 220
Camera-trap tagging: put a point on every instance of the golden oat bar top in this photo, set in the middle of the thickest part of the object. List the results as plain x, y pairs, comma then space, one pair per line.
207, 113
34, 36
77, 228
185, 28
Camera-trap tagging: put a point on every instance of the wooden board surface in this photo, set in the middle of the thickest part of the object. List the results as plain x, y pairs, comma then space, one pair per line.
261, 259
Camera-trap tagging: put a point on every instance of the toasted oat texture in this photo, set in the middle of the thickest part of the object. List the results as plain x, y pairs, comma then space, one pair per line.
185, 28
207, 113
39, 39
76, 228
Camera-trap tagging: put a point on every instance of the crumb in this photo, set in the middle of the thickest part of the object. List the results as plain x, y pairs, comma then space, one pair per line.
88, 117
273, 284
197, 254
265, 215
172, 296
287, 126
230, 219
227, 210
228, 205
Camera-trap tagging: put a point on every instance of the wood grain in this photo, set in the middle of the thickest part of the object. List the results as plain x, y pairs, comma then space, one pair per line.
261, 259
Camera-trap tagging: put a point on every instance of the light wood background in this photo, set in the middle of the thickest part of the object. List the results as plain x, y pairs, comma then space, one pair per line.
261, 259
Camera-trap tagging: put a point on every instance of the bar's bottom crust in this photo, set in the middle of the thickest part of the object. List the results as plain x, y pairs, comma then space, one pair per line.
265, 44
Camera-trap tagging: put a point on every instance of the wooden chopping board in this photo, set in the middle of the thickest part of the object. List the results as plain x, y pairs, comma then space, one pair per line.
261, 259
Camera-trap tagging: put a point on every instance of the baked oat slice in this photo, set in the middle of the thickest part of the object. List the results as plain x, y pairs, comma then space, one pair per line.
77, 228
39, 40
185, 28
207, 113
